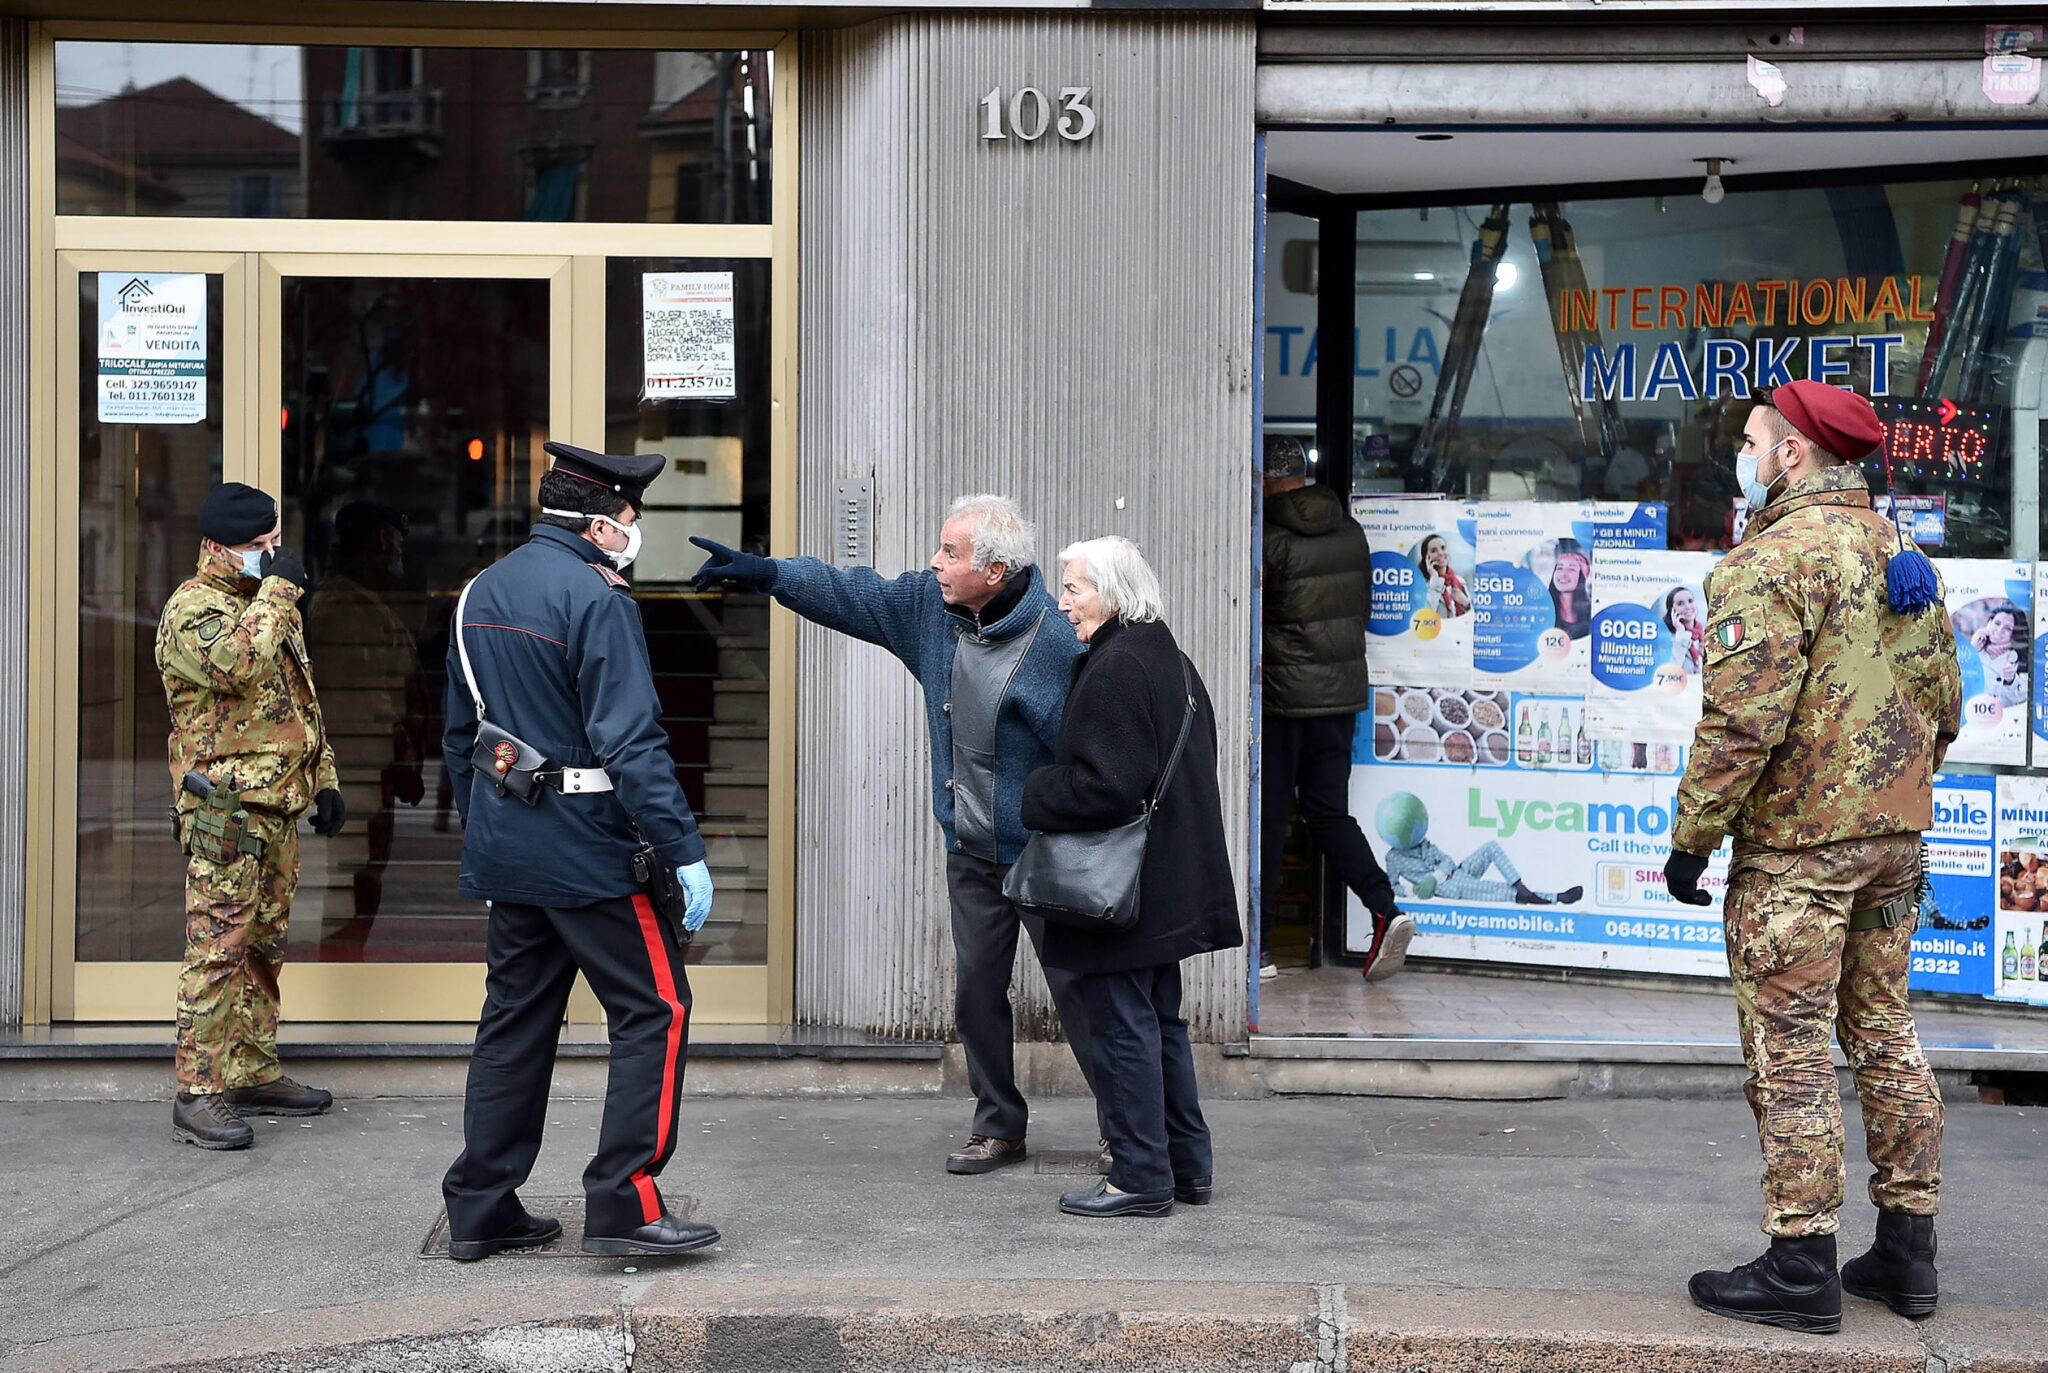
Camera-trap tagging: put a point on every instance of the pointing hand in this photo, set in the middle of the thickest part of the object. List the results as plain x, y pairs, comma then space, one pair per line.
731, 565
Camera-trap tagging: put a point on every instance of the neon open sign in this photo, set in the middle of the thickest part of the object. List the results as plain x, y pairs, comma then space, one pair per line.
1938, 440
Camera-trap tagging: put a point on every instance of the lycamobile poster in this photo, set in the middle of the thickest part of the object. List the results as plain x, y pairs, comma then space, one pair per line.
1952, 948
1532, 598
1420, 625
1649, 644
1990, 605
2020, 936
1499, 858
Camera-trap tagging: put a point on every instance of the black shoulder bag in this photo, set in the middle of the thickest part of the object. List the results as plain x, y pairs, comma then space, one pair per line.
1088, 879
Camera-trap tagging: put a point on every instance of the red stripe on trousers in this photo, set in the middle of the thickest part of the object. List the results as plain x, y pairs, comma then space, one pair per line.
665, 987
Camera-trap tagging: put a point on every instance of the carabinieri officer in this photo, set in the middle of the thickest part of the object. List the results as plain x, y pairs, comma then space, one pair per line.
548, 663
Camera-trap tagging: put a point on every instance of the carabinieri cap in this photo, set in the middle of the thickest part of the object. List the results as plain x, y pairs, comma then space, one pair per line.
626, 473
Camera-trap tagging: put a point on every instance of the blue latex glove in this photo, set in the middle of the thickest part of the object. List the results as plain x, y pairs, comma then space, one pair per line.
731, 565
696, 880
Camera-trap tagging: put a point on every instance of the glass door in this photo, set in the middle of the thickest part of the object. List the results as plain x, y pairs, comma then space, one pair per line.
397, 405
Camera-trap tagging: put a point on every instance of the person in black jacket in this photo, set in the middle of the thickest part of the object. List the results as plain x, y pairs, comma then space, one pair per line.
1318, 573
1131, 693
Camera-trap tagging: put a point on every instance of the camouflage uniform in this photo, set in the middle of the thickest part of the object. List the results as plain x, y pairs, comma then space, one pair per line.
243, 712
1826, 716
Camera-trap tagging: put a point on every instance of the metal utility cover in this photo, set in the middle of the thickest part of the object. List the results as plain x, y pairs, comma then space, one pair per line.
1068, 1163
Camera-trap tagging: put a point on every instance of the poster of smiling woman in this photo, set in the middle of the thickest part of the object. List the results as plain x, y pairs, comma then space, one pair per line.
1649, 644
1532, 598
1420, 628
1990, 604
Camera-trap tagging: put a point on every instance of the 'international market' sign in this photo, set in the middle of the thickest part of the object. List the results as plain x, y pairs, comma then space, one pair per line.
1714, 367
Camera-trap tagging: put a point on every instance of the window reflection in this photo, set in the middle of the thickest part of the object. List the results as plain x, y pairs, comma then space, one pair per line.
1610, 349
546, 134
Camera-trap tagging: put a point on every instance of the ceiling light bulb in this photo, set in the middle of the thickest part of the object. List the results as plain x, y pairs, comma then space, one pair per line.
1713, 192
1505, 275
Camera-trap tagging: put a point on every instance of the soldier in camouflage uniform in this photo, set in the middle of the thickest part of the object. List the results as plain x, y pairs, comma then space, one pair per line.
1826, 716
244, 717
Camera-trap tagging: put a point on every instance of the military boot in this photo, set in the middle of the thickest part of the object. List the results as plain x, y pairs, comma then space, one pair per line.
280, 1097
209, 1122
1793, 1284
1899, 1269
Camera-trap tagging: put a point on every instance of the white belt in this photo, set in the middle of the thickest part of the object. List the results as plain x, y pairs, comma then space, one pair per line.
576, 781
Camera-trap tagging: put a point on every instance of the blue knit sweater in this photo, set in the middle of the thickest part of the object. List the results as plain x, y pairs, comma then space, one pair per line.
908, 616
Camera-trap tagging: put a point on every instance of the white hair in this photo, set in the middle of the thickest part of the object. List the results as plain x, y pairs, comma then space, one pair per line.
1120, 575
1001, 533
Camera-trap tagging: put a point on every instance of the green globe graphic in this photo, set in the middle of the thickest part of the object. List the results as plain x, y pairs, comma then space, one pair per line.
1402, 819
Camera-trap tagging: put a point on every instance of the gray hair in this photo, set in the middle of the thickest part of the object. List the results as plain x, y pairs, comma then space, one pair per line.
1120, 575
1001, 533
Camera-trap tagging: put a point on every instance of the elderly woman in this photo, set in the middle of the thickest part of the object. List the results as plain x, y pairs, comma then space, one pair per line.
1131, 692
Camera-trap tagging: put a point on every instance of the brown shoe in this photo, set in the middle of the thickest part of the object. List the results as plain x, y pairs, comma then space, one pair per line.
279, 1097
209, 1122
982, 1154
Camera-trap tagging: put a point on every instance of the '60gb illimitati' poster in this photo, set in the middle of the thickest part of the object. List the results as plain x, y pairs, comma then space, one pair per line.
1420, 623
1649, 644
1990, 606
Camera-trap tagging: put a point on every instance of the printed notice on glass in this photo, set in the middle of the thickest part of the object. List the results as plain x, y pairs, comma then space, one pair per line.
152, 348
1649, 644
1532, 597
1990, 604
1420, 624
687, 336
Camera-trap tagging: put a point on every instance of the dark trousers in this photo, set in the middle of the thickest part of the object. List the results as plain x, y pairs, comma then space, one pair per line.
630, 957
1145, 1079
1310, 758
985, 926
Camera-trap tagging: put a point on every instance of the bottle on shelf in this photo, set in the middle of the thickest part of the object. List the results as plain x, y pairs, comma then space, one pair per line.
2009, 960
2026, 963
1525, 740
1543, 743
1584, 745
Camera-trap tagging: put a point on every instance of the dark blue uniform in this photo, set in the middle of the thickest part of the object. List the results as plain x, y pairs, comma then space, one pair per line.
561, 661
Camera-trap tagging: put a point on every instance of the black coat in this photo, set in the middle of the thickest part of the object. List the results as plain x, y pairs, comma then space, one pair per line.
1122, 715
1316, 593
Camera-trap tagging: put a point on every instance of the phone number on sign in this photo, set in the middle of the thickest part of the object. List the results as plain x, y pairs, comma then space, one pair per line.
1664, 930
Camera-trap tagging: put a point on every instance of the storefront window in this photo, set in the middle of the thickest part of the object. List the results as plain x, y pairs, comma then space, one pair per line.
244, 130
1610, 349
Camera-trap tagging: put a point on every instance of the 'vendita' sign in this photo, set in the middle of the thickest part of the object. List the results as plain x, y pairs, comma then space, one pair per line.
152, 348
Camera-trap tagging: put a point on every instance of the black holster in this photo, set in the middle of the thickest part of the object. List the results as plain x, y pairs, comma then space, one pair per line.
664, 892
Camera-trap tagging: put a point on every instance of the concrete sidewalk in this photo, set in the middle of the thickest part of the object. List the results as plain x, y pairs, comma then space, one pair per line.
1428, 1227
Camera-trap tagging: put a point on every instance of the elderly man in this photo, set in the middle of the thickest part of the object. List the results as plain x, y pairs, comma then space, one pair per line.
994, 655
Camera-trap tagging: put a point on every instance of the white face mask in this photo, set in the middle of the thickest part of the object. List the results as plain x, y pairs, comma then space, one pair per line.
623, 558
252, 563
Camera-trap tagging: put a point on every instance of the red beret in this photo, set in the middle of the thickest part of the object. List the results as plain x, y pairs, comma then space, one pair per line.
1840, 421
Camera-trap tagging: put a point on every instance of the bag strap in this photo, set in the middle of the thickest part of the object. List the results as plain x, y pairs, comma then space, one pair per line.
462, 650
1186, 722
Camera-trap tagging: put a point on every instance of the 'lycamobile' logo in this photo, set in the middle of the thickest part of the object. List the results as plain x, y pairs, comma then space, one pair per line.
1567, 817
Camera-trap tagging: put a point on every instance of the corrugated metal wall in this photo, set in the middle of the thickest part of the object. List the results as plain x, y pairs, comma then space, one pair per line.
14, 504
1067, 323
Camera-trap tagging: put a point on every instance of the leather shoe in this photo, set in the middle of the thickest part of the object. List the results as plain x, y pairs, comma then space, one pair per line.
983, 1154
533, 1232
1899, 1269
1195, 1191
1100, 1201
665, 1236
209, 1122
283, 1097
1793, 1284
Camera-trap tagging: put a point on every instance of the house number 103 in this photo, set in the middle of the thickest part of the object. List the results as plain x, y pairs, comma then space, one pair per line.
1029, 113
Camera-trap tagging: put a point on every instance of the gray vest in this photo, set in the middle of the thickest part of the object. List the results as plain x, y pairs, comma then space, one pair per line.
982, 669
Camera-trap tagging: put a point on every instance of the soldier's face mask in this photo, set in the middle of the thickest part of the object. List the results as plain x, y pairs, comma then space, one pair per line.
1757, 493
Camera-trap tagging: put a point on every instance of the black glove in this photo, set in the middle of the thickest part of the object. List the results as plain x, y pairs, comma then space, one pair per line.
282, 562
731, 565
329, 813
1682, 872
405, 782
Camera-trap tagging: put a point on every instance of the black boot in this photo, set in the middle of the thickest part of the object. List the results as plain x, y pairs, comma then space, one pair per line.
1525, 897
209, 1122
1793, 1284
1899, 1269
